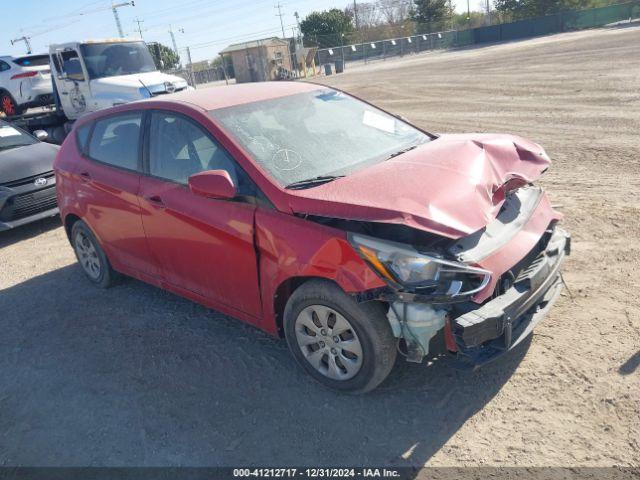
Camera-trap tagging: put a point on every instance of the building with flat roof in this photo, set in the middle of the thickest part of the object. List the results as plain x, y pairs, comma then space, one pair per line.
259, 60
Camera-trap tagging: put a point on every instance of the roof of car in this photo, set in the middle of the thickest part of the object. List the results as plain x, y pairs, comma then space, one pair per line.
26, 55
227, 96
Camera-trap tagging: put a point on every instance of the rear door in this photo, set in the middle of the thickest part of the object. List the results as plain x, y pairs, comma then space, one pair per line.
203, 245
108, 182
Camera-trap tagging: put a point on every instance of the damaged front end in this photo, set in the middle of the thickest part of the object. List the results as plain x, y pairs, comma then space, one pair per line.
477, 296
467, 245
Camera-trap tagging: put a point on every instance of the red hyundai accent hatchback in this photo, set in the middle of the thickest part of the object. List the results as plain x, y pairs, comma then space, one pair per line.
314, 215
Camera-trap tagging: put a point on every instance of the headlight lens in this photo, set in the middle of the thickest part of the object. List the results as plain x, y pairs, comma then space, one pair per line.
403, 266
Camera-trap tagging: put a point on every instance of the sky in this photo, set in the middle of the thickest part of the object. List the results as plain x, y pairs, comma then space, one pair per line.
206, 26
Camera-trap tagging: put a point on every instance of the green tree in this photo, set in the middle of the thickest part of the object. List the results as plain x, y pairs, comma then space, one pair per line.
327, 29
164, 57
517, 9
430, 14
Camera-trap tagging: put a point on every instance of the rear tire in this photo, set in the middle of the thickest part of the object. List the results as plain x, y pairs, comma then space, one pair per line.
91, 257
344, 345
8, 105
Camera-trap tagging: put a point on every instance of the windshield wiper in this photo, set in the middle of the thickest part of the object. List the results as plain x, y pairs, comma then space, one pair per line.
400, 152
312, 182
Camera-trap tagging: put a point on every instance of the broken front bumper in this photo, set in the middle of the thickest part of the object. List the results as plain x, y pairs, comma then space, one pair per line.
486, 332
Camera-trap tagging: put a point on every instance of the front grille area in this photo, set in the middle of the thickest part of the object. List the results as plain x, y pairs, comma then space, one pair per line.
28, 180
27, 204
524, 266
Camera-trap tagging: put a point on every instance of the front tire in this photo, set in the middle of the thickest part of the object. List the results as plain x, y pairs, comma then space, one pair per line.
91, 257
344, 345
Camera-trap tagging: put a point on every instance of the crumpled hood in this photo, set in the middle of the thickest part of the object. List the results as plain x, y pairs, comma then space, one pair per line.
451, 186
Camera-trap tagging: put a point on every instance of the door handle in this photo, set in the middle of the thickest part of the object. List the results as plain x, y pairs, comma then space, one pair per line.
85, 176
155, 200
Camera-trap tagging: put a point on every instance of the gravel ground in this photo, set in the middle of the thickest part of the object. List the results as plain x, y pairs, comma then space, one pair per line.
137, 376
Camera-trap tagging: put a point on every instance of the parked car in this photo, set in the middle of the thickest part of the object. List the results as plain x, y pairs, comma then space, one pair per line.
27, 182
314, 215
25, 82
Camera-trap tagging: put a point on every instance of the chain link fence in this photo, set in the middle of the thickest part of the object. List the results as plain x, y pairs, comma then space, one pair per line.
339, 56
198, 77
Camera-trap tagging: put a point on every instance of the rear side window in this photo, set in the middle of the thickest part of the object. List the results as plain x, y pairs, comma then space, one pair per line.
32, 61
4, 66
82, 134
115, 140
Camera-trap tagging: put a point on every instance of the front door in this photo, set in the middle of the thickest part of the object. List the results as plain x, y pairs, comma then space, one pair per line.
203, 245
72, 83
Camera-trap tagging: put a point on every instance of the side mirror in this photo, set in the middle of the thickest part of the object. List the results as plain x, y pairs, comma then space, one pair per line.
213, 184
41, 135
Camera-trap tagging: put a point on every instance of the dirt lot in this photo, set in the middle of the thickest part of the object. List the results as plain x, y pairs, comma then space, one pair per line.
136, 376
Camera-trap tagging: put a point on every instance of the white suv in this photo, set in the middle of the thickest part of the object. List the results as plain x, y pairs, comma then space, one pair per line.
24, 82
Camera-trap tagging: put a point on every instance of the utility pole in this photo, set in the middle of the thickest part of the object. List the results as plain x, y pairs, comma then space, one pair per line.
138, 21
450, 16
355, 13
24, 39
173, 40
295, 14
190, 67
114, 8
175, 45
488, 12
280, 14
468, 11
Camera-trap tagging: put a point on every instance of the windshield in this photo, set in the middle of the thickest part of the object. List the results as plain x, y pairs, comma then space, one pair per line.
111, 59
316, 134
11, 137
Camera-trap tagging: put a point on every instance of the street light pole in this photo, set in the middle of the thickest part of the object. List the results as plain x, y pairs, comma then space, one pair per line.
114, 8
24, 39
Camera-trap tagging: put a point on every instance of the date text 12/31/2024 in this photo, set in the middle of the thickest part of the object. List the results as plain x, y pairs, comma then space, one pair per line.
316, 473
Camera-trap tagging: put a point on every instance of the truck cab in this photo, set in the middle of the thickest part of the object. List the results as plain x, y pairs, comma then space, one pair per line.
93, 75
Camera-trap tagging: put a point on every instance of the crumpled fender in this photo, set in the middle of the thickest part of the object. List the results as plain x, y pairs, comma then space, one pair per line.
290, 247
451, 186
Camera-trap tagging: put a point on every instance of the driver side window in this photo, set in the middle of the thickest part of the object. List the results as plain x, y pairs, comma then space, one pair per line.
71, 65
178, 148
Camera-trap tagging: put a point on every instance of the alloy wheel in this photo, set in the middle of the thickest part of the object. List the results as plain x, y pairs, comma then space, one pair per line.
88, 256
328, 342
7, 106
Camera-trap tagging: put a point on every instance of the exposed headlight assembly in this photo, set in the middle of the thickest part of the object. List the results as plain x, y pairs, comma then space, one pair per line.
404, 268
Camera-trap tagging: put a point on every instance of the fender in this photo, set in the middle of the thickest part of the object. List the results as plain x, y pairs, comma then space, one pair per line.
289, 247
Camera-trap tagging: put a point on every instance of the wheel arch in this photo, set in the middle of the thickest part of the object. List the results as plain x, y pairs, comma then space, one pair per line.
69, 220
283, 294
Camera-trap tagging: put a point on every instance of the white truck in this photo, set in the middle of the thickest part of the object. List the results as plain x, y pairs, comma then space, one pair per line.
92, 75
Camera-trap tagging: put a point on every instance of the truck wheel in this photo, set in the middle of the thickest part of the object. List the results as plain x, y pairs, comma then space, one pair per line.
344, 345
8, 105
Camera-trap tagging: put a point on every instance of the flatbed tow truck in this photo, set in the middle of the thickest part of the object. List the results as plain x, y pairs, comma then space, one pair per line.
92, 75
